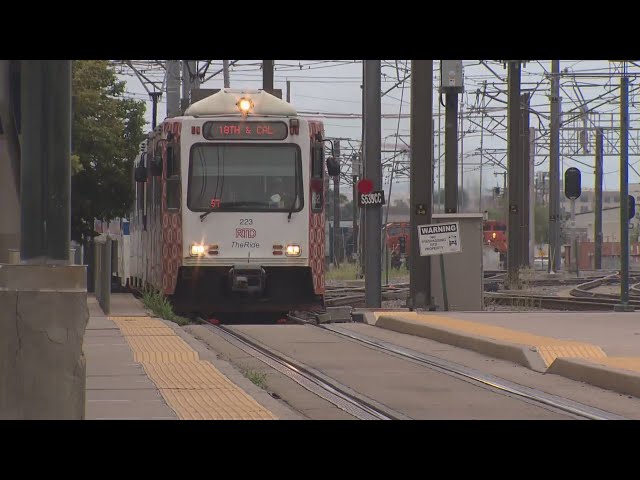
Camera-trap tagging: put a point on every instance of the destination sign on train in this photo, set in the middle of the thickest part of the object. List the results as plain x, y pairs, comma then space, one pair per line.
237, 130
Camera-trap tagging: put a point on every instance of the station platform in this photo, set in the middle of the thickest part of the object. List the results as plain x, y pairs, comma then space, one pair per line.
144, 368
597, 348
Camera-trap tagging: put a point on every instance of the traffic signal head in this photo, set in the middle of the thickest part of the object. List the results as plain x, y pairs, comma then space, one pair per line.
572, 183
632, 207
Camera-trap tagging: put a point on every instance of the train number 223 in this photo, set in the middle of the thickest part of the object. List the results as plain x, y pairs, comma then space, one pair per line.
246, 221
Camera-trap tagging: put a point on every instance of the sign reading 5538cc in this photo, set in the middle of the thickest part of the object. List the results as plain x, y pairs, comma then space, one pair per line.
373, 198
439, 238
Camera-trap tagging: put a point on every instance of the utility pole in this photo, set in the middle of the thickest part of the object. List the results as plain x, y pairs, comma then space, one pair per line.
440, 199
355, 167
554, 170
288, 91
190, 81
514, 171
421, 183
225, 73
451, 153
372, 121
173, 88
532, 194
362, 219
597, 234
482, 143
267, 75
462, 192
524, 179
154, 112
624, 196
336, 210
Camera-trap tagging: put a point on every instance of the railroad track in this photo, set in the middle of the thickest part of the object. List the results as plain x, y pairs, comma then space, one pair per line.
555, 303
355, 297
365, 408
331, 390
582, 297
470, 375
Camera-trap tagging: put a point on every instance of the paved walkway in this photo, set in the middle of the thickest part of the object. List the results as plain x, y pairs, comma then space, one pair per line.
140, 367
117, 385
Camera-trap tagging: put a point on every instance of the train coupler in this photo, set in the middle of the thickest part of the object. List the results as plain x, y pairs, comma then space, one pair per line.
248, 278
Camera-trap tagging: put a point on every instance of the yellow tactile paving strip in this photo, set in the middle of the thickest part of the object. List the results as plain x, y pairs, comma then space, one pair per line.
193, 388
160, 348
548, 348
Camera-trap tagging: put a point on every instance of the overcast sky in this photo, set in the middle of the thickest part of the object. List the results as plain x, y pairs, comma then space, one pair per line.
332, 87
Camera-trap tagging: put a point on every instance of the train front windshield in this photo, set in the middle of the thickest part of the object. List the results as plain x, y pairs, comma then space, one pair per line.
245, 178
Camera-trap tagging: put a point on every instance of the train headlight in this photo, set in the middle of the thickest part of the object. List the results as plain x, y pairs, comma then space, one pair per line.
293, 251
245, 105
197, 250
493, 235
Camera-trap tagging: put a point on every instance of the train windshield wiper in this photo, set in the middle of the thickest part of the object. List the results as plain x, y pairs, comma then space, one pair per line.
202, 217
293, 205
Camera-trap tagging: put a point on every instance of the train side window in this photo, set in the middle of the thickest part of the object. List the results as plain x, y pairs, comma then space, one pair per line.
317, 184
173, 160
317, 157
173, 194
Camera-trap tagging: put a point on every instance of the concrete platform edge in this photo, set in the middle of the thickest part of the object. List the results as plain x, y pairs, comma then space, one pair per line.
590, 372
617, 380
520, 354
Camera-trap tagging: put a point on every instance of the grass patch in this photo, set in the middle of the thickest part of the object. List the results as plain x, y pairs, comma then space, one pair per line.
257, 378
349, 271
160, 306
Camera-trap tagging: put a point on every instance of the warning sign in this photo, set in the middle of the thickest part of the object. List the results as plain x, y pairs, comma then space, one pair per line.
439, 239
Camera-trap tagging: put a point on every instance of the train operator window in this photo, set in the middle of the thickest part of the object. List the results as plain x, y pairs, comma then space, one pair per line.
245, 178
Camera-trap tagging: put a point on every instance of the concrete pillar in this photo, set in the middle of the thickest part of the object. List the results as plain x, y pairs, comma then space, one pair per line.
43, 300
43, 317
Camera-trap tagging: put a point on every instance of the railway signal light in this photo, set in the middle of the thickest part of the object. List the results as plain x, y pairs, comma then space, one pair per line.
572, 183
403, 244
632, 207
365, 186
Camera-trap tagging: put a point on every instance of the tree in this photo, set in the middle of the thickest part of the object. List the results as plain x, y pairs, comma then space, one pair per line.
399, 207
344, 203
107, 130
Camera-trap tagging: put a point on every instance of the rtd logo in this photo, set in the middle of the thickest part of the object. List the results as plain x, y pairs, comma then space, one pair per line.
245, 233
